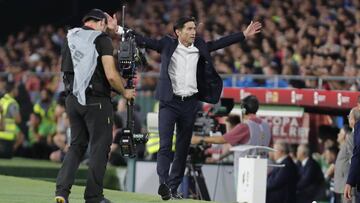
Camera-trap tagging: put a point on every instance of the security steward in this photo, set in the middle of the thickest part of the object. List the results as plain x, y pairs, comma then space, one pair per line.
89, 74
9, 118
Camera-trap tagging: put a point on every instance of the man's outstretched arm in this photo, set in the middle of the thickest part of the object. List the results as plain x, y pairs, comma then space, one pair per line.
251, 30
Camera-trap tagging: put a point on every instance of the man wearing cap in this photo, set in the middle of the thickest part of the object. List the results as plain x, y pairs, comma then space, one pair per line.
187, 75
89, 74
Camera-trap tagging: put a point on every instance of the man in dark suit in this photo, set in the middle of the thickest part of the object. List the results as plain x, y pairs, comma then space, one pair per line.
353, 179
281, 182
187, 75
311, 178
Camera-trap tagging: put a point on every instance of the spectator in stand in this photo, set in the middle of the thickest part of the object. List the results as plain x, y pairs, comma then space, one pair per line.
45, 107
282, 181
310, 186
39, 147
330, 158
62, 137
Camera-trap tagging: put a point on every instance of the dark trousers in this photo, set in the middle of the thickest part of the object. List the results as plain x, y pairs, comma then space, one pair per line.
182, 113
90, 124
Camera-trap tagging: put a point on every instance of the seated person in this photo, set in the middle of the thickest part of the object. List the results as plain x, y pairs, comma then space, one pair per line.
38, 138
282, 181
62, 137
311, 178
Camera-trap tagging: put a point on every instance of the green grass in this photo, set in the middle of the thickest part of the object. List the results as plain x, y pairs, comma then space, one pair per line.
23, 190
22, 162
46, 170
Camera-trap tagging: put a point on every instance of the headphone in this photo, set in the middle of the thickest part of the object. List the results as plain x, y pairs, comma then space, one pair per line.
242, 109
249, 104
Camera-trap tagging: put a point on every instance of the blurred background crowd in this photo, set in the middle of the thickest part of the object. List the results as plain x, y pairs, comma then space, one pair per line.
306, 38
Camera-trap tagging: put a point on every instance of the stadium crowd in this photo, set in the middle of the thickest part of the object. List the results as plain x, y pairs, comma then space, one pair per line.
299, 37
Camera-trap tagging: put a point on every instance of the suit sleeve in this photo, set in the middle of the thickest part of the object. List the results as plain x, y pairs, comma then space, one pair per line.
225, 41
307, 177
277, 180
355, 162
149, 43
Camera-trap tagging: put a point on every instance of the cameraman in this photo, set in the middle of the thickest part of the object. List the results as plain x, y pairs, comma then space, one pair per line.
89, 73
252, 130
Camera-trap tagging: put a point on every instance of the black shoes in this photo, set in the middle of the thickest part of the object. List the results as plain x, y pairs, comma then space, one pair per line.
60, 199
176, 195
105, 201
164, 192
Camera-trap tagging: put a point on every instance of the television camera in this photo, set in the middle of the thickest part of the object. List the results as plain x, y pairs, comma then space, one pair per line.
207, 124
129, 58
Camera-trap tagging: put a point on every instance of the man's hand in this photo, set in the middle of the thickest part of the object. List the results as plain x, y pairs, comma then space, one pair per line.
196, 139
252, 29
129, 94
112, 22
347, 192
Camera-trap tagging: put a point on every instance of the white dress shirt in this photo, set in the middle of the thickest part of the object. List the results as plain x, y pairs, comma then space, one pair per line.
182, 70
303, 162
281, 159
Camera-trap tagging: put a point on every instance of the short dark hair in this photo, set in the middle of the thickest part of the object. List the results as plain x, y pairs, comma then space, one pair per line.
181, 22
10, 86
333, 149
250, 104
61, 99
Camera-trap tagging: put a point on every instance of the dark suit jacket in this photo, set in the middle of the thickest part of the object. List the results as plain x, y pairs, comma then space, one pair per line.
209, 83
353, 178
281, 183
310, 183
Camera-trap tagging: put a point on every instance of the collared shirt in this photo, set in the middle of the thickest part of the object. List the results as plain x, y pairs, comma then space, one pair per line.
303, 162
281, 159
182, 70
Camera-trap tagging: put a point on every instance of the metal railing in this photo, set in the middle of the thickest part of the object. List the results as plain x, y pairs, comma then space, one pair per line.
319, 80
234, 77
